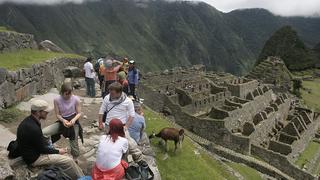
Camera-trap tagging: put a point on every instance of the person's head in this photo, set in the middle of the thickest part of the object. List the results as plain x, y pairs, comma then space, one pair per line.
116, 129
125, 60
137, 107
108, 63
89, 59
115, 90
40, 109
66, 91
131, 63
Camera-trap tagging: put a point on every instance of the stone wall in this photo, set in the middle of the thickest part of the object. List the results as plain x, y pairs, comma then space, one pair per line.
281, 162
12, 41
18, 85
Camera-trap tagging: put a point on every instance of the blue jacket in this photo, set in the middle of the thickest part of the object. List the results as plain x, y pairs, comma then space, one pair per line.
133, 76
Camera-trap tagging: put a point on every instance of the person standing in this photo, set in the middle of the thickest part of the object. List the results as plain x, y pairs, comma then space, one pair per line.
133, 78
122, 79
110, 74
111, 149
35, 151
89, 77
68, 111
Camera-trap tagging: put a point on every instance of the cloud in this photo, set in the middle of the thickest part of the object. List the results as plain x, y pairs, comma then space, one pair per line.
279, 7
44, 2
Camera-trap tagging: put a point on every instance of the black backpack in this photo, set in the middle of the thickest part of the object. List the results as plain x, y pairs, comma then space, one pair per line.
13, 150
139, 171
53, 173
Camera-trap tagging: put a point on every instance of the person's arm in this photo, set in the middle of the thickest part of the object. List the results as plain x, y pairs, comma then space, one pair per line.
141, 130
131, 113
91, 67
117, 68
102, 110
78, 111
39, 143
58, 115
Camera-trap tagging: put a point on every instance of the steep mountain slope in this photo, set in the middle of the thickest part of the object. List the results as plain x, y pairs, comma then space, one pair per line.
158, 34
286, 44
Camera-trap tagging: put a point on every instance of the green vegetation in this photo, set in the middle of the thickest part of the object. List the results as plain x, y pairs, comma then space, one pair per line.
3, 29
25, 58
312, 149
245, 171
311, 93
286, 44
188, 162
9, 115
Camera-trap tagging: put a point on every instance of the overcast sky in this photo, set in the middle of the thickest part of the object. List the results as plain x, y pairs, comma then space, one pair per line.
279, 7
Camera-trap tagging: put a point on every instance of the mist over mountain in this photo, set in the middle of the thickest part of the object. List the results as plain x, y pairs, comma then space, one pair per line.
158, 34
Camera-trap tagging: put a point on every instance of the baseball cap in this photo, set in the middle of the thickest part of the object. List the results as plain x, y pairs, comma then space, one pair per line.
131, 62
40, 105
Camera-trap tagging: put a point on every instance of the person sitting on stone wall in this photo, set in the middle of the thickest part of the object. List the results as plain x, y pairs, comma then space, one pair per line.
68, 111
111, 149
33, 147
117, 105
138, 125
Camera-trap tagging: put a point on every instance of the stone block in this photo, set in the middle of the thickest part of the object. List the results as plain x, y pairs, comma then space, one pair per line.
3, 75
7, 94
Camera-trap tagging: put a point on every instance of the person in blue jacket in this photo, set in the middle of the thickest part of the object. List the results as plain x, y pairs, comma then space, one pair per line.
133, 78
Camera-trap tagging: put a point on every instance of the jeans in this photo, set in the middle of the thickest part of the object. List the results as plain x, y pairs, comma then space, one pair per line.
64, 162
91, 91
74, 145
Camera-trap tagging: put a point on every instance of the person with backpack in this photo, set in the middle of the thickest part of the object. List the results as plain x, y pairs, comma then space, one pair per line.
90, 78
133, 78
33, 148
111, 149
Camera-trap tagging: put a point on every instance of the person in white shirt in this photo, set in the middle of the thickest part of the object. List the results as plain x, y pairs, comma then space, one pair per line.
89, 77
116, 105
111, 149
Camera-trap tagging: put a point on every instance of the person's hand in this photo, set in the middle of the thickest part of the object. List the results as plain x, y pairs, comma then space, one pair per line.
101, 127
66, 123
125, 127
63, 151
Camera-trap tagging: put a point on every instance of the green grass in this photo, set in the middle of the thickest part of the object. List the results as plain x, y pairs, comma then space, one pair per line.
308, 154
25, 58
312, 99
186, 164
9, 115
245, 171
3, 29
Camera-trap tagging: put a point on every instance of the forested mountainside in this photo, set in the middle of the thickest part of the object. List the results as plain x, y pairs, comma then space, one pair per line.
158, 34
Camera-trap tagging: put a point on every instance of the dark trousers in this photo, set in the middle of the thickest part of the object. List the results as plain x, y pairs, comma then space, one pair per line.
91, 90
132, 90
106, 86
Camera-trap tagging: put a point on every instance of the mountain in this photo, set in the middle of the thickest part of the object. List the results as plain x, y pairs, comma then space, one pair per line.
158, 34
286, 44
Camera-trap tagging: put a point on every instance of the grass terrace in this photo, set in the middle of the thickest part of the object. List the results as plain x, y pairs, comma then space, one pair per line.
311, 94
4, 29
25, 58
190, 162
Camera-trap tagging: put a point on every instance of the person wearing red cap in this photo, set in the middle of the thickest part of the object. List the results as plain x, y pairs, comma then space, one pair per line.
112, 147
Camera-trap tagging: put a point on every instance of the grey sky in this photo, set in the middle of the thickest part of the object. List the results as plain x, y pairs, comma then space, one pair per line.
279, 7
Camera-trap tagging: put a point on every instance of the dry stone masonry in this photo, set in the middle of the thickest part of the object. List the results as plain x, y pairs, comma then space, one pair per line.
249, 116
12, 41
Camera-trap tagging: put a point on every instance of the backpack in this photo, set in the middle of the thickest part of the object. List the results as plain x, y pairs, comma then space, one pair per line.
97, 67
139, 171
13, 150
53, 173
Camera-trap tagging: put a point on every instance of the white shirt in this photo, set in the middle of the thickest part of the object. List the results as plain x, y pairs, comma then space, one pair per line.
121, 111
109, 153
88, 68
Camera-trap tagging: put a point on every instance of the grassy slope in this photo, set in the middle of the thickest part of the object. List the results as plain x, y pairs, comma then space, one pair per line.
185, 164
25, 58
312, 99
308, 154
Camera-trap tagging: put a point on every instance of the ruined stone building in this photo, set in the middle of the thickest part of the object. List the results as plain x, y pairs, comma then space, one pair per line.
243, 114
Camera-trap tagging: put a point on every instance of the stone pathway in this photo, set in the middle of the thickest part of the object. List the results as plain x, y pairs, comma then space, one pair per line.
5, 136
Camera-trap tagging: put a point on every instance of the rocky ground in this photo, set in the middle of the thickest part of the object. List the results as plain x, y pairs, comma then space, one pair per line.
90, 107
